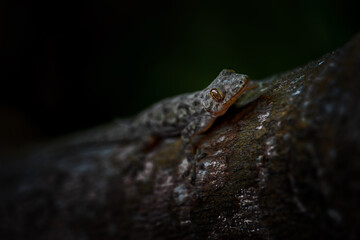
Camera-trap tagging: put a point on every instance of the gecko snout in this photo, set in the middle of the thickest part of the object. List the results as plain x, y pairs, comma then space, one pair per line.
240, 85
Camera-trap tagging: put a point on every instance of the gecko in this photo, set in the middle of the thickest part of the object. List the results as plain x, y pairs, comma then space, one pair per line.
187, 115
193, 113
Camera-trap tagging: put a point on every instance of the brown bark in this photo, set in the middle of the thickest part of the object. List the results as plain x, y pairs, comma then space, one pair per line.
285, 166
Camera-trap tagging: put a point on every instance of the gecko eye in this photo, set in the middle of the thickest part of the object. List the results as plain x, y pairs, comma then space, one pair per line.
216, 94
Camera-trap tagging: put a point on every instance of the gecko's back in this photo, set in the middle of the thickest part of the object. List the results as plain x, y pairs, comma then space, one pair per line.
171, 115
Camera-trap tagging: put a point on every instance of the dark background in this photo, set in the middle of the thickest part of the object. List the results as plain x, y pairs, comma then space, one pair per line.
70, 65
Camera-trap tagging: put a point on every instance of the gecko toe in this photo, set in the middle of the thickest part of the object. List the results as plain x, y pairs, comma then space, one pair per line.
200, 155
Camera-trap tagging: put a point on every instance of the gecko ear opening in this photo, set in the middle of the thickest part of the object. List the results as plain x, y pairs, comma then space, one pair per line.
216, 94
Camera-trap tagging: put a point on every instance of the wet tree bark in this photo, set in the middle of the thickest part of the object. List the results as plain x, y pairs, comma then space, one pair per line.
284, 166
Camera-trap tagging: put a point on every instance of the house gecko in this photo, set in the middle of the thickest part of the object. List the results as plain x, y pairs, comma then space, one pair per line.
194, 113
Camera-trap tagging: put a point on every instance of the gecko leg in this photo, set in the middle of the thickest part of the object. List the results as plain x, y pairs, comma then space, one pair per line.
198, 156
195, 127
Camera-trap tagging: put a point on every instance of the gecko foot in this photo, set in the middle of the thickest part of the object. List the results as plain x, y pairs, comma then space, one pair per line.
200, 155
190, 171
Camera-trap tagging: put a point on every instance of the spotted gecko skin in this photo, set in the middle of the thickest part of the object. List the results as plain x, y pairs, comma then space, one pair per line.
192, 114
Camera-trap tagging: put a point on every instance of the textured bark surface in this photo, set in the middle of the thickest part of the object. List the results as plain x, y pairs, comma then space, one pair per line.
285, 166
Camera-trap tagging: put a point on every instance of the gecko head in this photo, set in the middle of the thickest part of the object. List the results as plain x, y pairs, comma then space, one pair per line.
224, 91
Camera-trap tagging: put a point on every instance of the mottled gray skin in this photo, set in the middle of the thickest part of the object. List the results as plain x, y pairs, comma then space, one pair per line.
193, 113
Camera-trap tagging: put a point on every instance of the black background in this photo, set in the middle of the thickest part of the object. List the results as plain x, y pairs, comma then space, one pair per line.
70, 65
